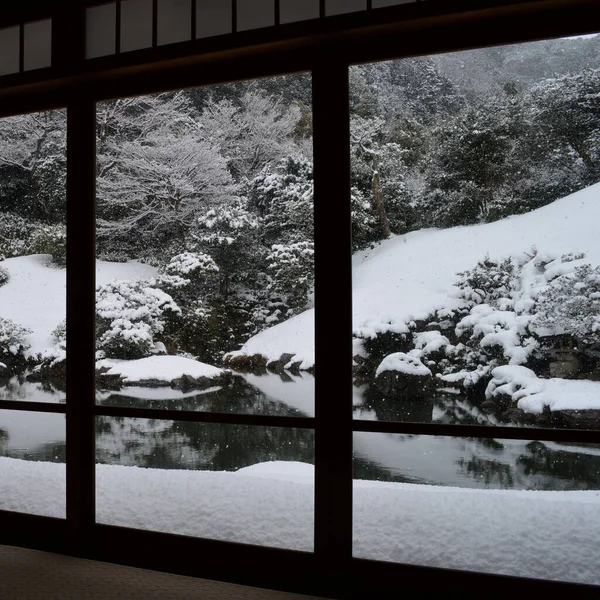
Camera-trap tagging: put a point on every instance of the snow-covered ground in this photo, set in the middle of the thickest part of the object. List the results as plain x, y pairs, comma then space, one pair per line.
552, 535
409, 276
35, 295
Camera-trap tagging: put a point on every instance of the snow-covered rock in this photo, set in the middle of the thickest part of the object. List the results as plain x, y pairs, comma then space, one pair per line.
155, 371
403, 363
401, 374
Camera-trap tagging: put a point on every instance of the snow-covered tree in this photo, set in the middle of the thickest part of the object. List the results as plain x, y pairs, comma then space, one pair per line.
378, 173
566, 112
229, 236
33, 165
291, 267
161, 183
252, 134
477, 157
283, 197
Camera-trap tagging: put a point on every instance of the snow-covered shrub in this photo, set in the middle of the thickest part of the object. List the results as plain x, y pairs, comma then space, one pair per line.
488, 281
499, 336
53, 356
489, 327
51, 239
571, 303
16, 235
489, 330
59, 335
13, 343
113, 255
20, 236
4, 276
129, 314
191, 264
189, 276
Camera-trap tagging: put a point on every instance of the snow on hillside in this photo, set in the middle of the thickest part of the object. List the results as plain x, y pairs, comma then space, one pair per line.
409, 276
35, 296
551, 535
295, 336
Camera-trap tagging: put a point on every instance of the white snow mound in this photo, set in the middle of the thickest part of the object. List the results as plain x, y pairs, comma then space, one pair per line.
532, 394
161, 368
403, 363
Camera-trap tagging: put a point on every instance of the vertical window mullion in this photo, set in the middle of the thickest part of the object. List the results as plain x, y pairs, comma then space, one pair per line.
81, 171
194, 14
68, 37
21, 48
118, 28
154, 23
333, 318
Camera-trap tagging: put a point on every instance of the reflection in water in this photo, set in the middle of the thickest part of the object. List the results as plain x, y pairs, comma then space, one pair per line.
32, 435
465, 462
276, 395
18, 388
205, 446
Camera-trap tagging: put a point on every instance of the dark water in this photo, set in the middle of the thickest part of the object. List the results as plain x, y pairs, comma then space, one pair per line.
155, 443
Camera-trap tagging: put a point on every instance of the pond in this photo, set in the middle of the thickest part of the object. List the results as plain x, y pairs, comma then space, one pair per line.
434, 460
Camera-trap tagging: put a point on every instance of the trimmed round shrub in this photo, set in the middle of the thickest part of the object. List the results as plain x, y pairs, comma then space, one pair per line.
51, 239
129, 314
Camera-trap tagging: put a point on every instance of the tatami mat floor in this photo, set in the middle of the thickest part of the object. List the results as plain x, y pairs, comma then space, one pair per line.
32, 575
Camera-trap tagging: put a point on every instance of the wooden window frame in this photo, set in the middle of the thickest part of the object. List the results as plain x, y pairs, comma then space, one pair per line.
326, 48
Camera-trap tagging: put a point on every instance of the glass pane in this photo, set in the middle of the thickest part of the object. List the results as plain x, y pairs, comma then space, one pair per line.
337, 7
38, 45
32, 463
174, 21
476, 265
298, 10
101, 30
205, 249
213, 17
252, 14
252, 485
9, 50
527, 509
136, 24
33, 257
382, 3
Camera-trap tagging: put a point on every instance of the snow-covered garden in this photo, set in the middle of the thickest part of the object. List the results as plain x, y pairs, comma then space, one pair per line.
476, 299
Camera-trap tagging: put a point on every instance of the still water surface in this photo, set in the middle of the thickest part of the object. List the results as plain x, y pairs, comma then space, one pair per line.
155, 443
